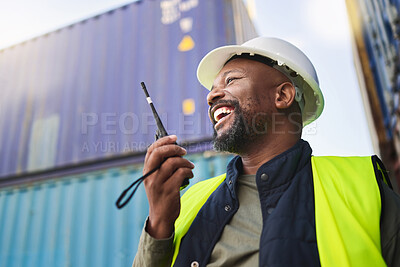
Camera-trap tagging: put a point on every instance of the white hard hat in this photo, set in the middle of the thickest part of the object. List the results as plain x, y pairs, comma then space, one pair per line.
290, 60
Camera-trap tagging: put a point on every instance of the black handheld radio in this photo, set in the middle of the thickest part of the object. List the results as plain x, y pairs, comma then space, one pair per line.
160, 132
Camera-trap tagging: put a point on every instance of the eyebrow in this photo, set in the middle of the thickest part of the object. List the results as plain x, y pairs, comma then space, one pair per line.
226, 73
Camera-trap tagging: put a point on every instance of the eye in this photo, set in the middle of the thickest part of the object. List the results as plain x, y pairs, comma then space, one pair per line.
229, 80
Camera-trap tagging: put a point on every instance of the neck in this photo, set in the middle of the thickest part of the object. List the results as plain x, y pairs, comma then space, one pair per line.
265, 150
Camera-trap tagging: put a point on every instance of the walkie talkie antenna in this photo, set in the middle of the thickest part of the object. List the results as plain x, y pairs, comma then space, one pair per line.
161, 130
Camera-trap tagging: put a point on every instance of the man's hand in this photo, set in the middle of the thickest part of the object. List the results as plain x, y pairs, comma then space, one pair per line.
162, 187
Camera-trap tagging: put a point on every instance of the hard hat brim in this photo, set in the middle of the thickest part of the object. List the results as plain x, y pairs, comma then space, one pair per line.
212, 63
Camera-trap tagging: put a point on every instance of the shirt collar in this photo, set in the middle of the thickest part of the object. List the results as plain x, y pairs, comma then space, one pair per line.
279, 170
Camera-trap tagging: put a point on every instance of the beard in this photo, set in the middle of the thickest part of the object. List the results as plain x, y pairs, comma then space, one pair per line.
247, 127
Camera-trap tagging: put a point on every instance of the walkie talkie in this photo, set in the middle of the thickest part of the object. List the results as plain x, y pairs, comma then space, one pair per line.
160, 132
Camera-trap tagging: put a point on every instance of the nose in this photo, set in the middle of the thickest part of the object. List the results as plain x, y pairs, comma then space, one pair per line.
214, 95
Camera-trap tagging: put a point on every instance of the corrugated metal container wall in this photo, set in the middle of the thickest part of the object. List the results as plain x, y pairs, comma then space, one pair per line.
73, 221
74, 95
376, 31
381, 37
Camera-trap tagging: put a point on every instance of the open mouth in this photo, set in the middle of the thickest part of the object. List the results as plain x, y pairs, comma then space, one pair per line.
221, 113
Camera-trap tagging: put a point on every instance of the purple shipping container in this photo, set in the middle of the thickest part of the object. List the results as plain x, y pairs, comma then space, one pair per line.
74, 95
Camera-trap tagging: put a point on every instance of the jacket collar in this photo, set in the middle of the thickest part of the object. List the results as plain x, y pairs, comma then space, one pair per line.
280, 170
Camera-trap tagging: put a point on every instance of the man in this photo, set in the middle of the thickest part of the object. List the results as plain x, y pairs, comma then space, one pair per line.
276, 205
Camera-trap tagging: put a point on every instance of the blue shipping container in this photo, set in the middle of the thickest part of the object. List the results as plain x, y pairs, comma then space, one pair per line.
74, 95
381, 32
73, 221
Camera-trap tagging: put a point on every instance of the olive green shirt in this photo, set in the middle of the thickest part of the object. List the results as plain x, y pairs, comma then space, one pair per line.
240, 241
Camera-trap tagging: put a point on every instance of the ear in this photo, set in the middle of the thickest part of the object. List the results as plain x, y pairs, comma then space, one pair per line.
285, 95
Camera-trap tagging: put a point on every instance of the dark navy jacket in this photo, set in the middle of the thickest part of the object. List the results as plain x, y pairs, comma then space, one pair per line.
286, 192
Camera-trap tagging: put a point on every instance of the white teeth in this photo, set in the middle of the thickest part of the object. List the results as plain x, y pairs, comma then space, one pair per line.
220, 111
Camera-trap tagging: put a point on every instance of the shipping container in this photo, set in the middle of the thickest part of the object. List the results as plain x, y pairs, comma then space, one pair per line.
73, 220
376, 31
74, 95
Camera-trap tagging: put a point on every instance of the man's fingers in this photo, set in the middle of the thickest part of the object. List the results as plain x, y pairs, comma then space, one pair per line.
170, 183
162, 141
172, 164
162, 153
173, 171
169, 167
176, 180
170, 139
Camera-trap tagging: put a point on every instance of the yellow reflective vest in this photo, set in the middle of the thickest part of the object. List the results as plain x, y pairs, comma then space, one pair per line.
347, 211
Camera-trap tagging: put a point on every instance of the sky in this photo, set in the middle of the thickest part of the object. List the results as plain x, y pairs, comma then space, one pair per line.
319, 27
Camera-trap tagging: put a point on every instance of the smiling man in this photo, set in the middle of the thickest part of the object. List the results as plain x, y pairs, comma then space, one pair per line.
250, 111
276, 205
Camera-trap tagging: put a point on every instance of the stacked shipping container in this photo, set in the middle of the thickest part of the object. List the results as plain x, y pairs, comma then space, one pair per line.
72, 220
376, 29
73, 120
74, 95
